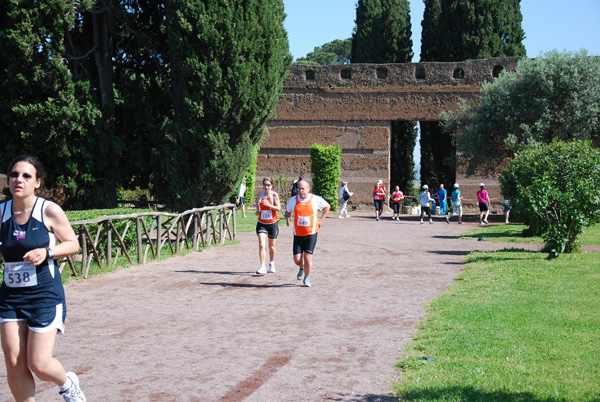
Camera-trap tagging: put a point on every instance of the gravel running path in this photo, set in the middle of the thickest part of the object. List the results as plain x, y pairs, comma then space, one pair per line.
204, 327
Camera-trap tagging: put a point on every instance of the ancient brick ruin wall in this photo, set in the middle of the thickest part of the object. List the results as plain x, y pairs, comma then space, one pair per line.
353, 105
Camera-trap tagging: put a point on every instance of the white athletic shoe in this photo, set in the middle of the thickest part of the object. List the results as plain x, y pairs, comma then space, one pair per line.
262, 270
300, 274
272, 268
307, 282
73, 393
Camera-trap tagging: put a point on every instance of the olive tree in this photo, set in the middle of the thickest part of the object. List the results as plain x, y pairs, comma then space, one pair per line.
552, 97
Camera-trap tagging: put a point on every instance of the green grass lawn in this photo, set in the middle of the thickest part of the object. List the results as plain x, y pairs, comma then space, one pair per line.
512, 233
514, 327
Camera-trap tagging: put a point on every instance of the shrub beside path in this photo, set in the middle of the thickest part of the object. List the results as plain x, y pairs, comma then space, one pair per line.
204, 327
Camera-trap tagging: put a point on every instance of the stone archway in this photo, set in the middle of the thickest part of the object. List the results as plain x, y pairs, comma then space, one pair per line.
353, 105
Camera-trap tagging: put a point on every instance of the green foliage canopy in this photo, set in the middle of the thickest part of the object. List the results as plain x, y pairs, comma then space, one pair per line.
558, 185
334, 52
552, 97
457, 30
166, 95
228, 60
43, 110
383, 32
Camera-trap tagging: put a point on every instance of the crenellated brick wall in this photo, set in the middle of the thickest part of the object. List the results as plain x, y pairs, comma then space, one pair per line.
353, 105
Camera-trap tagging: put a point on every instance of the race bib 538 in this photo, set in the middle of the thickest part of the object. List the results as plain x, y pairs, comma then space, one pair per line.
19, 274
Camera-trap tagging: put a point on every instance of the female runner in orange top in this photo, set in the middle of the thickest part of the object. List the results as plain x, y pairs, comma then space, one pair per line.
267, 225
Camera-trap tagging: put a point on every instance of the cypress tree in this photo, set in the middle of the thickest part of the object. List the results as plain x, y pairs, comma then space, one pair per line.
45, 110
383, 35
397, 31
228, 60
367, 39
457, 30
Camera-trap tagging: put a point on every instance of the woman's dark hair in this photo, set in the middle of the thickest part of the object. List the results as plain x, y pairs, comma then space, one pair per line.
56, 193
267, 179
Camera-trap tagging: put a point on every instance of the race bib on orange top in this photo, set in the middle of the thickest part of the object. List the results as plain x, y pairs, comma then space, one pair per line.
304, 221
305, 217
266, 215
20, 274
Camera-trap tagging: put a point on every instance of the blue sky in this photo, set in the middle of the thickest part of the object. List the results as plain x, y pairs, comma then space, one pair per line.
548, 24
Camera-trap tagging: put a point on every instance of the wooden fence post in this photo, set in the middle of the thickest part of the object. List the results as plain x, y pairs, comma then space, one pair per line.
138, 232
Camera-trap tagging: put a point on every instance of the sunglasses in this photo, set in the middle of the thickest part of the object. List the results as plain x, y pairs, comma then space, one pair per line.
15, 175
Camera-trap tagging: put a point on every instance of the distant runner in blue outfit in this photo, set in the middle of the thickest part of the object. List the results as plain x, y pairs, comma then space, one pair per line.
32, 298
456, 205
442, 198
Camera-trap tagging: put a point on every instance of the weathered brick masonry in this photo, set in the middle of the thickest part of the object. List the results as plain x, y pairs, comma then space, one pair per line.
353, 105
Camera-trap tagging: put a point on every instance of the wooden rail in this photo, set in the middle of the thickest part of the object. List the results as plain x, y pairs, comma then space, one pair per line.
189, 230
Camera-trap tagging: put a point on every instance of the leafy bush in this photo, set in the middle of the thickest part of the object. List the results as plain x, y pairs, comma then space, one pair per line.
557, 186
326, 170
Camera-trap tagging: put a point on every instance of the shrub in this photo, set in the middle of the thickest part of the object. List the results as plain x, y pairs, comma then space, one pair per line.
557, 186
325, 164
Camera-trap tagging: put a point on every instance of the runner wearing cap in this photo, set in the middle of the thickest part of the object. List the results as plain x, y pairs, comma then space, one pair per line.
425, 200
456, 205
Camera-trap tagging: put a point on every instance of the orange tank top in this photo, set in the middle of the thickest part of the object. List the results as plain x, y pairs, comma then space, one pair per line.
306, 220
266, 215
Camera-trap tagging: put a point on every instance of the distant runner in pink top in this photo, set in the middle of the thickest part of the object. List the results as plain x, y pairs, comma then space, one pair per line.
483, 198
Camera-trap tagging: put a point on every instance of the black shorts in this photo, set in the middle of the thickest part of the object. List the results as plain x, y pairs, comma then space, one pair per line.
378, 204
304, 244
242, 200
397, 207
483, 206
271, 229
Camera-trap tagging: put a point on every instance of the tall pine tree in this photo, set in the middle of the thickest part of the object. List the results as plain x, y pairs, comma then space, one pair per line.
383, 35
457, 30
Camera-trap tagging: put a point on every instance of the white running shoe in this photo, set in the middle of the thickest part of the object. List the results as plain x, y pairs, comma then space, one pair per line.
307, 282
262, 270
272, 268
73, 393
300, 274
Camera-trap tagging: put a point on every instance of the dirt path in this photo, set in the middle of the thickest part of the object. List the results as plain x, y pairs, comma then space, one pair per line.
204, 328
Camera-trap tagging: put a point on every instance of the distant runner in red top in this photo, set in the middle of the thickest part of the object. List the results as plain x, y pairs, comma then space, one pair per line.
378, 197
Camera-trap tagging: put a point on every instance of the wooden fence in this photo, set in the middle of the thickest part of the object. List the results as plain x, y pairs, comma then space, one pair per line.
189, 230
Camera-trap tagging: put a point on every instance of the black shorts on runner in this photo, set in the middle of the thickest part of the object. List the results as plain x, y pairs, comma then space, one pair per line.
271, 229
397, 206
378, 204
483, 206
305, 244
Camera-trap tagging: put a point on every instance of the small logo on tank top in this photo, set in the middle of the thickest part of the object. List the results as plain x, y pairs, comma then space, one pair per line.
19, 234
